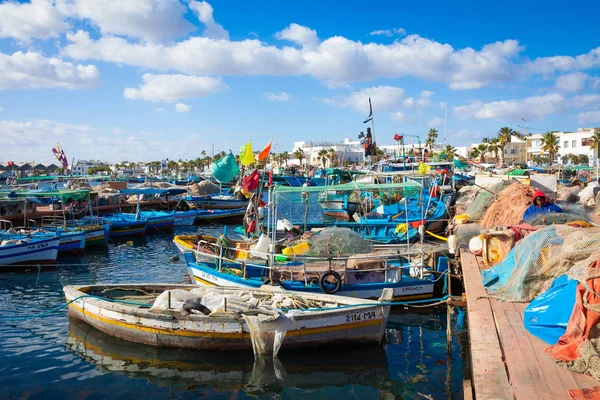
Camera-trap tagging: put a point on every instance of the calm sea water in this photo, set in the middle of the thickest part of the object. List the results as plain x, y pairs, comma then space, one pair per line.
53, 358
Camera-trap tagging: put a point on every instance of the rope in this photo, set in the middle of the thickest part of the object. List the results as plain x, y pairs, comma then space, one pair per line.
52, 310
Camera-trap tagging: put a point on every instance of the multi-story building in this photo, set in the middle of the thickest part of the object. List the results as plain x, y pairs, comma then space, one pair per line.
81, 167
348, 150
577, 143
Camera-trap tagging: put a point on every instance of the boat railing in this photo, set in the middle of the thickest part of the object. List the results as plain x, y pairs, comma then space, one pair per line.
271, 261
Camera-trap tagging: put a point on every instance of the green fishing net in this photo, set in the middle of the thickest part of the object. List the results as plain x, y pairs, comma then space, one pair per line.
332, 242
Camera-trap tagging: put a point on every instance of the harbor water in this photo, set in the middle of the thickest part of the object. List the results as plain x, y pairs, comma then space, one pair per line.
51, 358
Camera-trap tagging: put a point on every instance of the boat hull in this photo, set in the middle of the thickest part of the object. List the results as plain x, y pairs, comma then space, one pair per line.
209, 203
351, 324
229, 215
72, 243
42, 251
160, 224
184, 218
97, 237
339, 209
124, 229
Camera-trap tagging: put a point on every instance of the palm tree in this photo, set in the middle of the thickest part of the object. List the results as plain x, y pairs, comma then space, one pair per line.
594, 143
332, 156
284, 157
431, 138
474, 153
550, 145
482, 149
450, 152
504, 136
299, 154
323, 156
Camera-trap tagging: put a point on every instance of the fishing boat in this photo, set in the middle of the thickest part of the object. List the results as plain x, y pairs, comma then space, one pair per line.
228, 215
71, 241
29, 251
216, 202
123, 225
335, 203
153, 314
381, 231
158, 221
183, 218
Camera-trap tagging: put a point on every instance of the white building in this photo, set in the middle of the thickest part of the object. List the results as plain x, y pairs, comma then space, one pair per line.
346, 151
81, 167
569, 143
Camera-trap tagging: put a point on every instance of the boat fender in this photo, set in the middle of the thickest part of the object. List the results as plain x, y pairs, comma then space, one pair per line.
327, 289
191, 305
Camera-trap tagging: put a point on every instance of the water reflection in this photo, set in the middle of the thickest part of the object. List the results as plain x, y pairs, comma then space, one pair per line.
228, 371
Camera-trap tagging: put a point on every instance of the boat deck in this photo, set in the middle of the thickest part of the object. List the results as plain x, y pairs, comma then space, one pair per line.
507, 361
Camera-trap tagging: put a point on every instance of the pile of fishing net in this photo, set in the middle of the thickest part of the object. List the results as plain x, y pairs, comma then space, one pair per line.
587, 195
568, 193
534, 262
508, 207
203, 188
483, 199
331, 242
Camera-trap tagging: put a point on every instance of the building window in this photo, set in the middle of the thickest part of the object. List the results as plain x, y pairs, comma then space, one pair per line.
585, 141
566, 145
574, 143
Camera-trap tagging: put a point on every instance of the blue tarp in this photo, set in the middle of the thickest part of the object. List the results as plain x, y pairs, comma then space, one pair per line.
547, 316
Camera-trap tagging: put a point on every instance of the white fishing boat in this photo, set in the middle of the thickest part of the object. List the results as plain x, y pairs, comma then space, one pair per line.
29, 251
188, 316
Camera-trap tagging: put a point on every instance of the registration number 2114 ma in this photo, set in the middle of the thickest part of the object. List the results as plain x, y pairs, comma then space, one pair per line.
364, 316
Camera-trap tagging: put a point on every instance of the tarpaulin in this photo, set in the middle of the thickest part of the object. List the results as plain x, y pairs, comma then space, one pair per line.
225, 169
547, 316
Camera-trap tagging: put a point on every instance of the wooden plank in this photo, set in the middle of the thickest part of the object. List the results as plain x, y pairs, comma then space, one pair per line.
467, 390
526, 375
553, 371
490, 379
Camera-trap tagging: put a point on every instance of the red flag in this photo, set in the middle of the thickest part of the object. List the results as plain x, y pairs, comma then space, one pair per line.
250, 182
11, 163
397, 137
265, 152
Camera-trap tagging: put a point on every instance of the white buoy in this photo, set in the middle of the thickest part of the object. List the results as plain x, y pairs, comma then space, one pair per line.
476, 245
452, 243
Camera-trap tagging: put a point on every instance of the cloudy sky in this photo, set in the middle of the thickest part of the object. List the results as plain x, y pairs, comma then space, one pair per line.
150, 79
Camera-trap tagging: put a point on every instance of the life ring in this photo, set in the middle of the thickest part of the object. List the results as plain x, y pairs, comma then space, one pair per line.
327, 289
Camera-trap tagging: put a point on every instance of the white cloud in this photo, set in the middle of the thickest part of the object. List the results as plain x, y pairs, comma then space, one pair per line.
550, 65
150, 20
180, 107
205, 15
33, 71
118, 131
171, 88
382, 98
283, 96
588, 117
408, 102
305, 37
399, 116
424, 100
443, 104
574, 82
536, 107
159, 109
594, 83
435, 122
38, 19
335, 60
388, 32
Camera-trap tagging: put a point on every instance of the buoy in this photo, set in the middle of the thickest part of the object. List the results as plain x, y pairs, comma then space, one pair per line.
476, 245
452, 243
174, 258
129, 242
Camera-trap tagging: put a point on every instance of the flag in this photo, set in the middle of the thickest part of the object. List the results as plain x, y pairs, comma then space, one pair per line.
60, 156
397, 137
11, 163
265, 152
370, 117
246, 155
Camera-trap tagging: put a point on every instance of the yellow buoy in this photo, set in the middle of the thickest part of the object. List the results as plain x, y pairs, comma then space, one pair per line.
129, 242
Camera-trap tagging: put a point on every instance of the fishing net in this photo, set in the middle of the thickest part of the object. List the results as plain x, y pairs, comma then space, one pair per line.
484, 199
509, 206
587, 195
536, 260
568, 193
203, 188
332, 242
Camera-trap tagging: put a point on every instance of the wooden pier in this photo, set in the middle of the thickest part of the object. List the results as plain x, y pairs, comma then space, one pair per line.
507, 362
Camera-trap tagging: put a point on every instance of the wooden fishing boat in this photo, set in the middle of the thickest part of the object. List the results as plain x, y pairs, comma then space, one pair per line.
29, 251
381, 231
184, 218
213, 202
218, 262
113, 309
229, 215
122, 225
158, 221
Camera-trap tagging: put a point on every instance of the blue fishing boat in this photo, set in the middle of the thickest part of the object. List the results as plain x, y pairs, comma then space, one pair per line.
158, 221
216, 202
122, 225
183, 218
381, 231
232, 215
30, 251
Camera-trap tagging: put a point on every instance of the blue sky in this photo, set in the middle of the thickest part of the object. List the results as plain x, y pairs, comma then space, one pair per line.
151, 79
